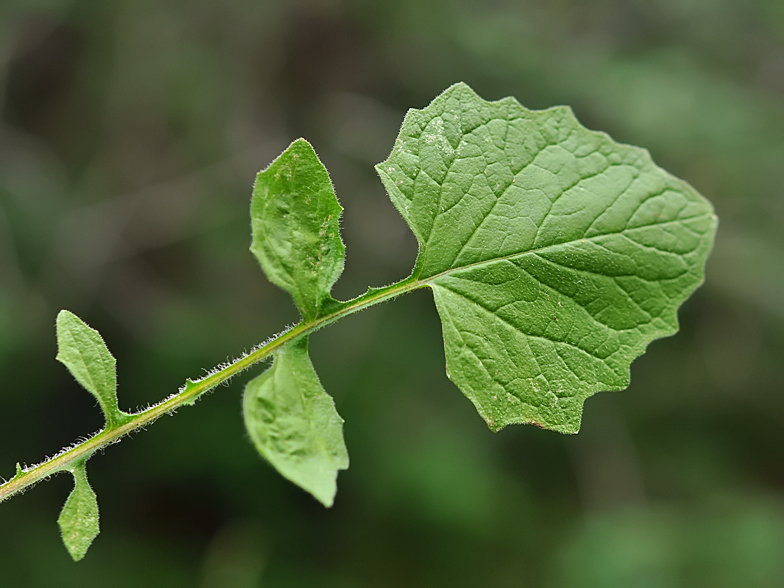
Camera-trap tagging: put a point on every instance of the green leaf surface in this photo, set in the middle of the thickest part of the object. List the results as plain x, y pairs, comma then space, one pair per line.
555, 255
295, 223
293, 422
82, 350
78, 520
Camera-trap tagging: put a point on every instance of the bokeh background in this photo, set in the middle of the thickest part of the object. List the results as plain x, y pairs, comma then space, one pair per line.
130, 133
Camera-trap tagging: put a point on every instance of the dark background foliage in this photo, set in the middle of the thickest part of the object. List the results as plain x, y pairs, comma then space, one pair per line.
130, 134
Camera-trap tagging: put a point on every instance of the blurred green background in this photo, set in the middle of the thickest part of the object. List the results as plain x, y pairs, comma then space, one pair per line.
130, 134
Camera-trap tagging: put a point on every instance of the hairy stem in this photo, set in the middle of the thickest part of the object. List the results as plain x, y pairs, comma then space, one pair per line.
65, 460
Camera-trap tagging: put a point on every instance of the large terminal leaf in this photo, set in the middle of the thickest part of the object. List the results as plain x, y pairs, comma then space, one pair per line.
555, 255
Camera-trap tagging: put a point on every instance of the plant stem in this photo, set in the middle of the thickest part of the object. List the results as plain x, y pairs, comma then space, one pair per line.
192, 390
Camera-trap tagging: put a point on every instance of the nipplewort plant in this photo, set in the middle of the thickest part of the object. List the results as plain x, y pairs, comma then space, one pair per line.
554, 255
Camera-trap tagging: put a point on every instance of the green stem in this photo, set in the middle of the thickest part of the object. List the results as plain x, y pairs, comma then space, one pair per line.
191, 391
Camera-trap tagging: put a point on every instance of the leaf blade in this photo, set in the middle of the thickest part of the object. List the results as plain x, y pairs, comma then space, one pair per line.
554, 254
293, 423
295, 226
83, 351
78, 520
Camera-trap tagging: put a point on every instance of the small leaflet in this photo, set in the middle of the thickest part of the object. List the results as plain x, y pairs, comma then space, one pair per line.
82, 350
78, 520
294, 425
554, 254
296, 238
295, 224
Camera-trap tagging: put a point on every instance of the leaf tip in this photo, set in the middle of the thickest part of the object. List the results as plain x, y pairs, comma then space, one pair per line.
460, 87
64, 314
301, 142
326, 496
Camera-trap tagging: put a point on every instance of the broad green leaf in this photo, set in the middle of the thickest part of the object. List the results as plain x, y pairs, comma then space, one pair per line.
294, 424
555, 255
82, 350
295, 223
79, 518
